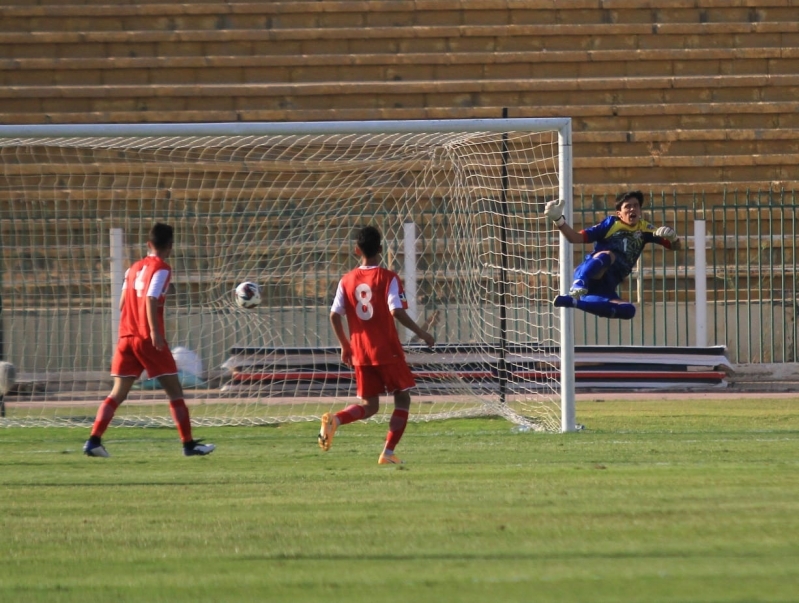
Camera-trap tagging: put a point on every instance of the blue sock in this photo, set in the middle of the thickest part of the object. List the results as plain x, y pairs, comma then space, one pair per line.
564, 301
593, 267
602, 306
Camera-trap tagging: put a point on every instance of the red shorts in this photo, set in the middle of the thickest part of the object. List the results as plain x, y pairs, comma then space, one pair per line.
134, 354
383, 379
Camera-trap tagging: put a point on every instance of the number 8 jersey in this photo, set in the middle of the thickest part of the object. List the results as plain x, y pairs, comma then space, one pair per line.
366, 296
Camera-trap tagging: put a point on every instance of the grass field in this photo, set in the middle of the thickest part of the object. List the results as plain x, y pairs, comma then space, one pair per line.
679, 500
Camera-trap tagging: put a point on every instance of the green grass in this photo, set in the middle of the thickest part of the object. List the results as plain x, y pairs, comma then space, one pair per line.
653, 502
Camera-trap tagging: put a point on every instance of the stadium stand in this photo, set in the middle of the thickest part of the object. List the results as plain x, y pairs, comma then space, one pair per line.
693, 97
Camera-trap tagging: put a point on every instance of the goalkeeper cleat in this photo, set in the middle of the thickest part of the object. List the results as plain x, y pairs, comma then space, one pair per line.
578, 289
196, 448
327, 431
564, 301
389, 459
95, 449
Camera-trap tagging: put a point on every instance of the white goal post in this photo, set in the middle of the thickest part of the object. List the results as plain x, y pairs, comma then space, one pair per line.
459, 203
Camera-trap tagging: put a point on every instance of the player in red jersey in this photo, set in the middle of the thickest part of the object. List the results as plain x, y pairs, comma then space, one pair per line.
371, 298
142, 345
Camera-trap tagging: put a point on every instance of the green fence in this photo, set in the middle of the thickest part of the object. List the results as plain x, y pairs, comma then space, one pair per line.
749, 277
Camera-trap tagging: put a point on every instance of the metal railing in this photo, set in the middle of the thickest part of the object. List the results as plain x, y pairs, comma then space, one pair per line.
748, 303
750, 277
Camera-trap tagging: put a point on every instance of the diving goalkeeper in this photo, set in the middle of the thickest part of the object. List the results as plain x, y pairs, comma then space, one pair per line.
618, 242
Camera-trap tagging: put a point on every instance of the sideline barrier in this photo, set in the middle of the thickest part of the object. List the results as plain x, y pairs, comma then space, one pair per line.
318, 371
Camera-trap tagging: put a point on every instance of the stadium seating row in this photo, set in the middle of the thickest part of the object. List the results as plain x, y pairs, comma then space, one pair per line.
692, 96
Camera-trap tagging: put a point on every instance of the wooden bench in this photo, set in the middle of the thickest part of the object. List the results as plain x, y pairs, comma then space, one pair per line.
122, 15
619, 68
413, 38
33, 71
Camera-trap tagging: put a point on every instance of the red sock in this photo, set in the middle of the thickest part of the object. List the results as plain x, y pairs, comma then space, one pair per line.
354, 412
396, 427
104, 415
180, 414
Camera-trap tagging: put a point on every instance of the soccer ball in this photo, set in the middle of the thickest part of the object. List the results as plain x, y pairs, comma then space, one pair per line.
248, 295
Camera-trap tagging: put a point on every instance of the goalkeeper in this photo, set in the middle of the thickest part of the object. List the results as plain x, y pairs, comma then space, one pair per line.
618, 242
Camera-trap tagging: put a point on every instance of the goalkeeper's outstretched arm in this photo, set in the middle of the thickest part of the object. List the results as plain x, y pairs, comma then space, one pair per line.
554, 211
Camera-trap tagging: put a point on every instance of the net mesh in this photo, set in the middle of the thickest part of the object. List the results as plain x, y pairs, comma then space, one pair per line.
460, 217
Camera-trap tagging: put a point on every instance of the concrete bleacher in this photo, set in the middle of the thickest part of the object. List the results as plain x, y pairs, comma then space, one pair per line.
692, 97
699, 97
64, 256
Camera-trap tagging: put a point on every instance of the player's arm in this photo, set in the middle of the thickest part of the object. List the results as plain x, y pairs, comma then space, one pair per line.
337, 311
397, 304
338, 328
406, 321
124, 286
155, 290
152, 321
554, 211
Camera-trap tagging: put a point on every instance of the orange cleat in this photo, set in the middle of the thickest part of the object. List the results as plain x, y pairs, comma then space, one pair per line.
327, 431
389, 459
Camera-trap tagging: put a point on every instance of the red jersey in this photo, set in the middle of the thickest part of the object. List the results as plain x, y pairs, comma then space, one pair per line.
148, 277
366, 296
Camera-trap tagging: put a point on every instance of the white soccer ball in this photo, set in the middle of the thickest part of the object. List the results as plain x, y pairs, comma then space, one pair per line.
248, 295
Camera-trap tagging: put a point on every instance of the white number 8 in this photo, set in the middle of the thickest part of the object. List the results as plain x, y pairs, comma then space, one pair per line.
363, 298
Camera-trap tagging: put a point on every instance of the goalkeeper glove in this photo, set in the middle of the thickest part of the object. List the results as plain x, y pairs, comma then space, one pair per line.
554, 211
666, 232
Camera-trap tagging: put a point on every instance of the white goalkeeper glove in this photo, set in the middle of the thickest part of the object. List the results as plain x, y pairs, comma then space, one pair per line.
666, 232
554, 211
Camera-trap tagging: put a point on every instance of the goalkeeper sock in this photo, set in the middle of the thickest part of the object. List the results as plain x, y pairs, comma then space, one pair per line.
104, 415
625, 311
396, 427
593, 267
564, 301
354, 412
602, 306
180, 415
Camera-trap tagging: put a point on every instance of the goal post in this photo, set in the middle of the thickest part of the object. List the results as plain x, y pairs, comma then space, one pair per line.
459, 203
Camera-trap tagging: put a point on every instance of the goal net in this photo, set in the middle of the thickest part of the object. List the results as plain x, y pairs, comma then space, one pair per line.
459, 206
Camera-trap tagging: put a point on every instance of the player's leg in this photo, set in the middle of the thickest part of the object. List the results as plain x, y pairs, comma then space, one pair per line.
396, 427
181, 417
605, 307
598, 305
354, 412
593, 268
125, 369
177, 405
105, 413
601, 299
160, 364
369, 388
358, 412
399, 379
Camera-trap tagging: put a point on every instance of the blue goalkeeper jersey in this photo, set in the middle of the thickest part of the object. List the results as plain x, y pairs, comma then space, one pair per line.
626, 242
